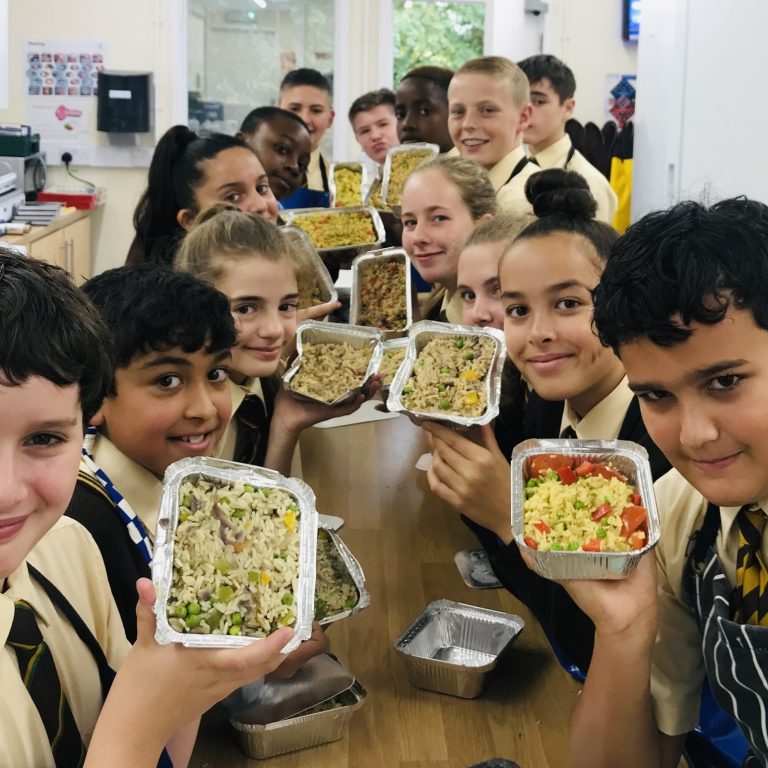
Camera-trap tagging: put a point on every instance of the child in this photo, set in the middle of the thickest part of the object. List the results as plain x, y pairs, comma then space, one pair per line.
489, 108
282, 142
248, 260
443, 200
189, 173
421, 107
683, 301
55, 370
308, 93
552, 89
579, 387
169, 399
372, 117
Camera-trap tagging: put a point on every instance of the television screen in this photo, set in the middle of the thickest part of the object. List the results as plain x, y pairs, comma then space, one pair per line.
631, 25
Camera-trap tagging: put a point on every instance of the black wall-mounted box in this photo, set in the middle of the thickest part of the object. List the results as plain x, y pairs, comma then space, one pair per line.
124, 102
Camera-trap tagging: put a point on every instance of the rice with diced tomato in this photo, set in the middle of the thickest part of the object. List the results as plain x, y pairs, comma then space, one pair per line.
558, 516
235, 559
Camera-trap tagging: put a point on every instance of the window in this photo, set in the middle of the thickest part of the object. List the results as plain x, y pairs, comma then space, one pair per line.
436, 33
239, 51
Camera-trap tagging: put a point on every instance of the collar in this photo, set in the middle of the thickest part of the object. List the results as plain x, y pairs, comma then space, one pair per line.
555, 154
452, 307
499, 174
452, 152
136, 483
728, 515
604, 421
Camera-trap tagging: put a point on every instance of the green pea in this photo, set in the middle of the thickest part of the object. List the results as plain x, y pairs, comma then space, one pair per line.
193, 608
445, 370
283, 554
533, 482
181, 611
248, 489
234, 630
557, 547
601, 533
459, 343
573, 546
441, 387
552, 475
407, 390
221, 565
350, 603
185, 502
469, 355
287, 599
236, 619
445, 405
254, 576
238, 514
287, 619
266, 492
192, 621
578, 504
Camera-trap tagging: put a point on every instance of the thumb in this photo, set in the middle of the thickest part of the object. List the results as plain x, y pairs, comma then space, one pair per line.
145, 617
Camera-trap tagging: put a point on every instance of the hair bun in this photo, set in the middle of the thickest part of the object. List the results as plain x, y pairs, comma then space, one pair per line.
557, 191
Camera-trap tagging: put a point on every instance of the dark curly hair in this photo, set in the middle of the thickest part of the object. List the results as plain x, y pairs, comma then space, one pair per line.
688, 264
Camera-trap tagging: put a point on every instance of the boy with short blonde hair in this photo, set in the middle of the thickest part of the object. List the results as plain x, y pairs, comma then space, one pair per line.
488, 110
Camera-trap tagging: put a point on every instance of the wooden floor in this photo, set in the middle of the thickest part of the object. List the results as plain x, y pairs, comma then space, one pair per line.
405, 540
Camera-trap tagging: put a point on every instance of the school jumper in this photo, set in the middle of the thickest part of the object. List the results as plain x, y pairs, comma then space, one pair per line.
562, 154
697, 636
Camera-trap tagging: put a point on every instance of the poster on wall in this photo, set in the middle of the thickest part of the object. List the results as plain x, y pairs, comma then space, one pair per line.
620, 98
60, 83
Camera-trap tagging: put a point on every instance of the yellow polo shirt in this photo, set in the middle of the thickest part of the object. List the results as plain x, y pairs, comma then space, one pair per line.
677, 668
510, 195
555, 156
138, 485
69, 557
604, 421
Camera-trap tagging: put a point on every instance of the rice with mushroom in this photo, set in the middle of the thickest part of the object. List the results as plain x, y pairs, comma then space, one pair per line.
449, 376
383, 302
235, 559
328, 371
390, 362
335, 591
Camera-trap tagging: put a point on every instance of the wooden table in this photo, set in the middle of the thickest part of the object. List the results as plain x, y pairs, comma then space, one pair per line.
405, 540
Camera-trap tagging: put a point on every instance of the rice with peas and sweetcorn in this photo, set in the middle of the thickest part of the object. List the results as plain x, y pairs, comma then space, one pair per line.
329, 371
335, 590
337, 230
390, 362
449, 376
383, 303
349, 185
235, 559
575, 505
403, 163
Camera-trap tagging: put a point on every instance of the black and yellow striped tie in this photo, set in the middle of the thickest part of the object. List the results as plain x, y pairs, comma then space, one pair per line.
749, 601
38, 671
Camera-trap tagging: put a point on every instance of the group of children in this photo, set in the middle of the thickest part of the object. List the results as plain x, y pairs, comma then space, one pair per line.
657, 337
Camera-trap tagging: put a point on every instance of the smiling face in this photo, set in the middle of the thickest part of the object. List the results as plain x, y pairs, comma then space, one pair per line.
421, 110
484, 121
234, 176
548, 116
40, 445
263, 296
169, 405
313, 106
704, 404
478, 284
376, 131
283, 147
546, 291
436, 223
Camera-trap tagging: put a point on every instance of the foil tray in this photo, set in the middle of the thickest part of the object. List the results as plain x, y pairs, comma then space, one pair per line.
390, 196
310, 262
318, 332
631, 460
291, 215
358, 168
452, 647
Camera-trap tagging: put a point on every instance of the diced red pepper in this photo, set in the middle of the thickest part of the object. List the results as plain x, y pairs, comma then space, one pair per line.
637, 540
601, 512
567, 475
593, 545
606, 472
637, 499
632, 518
542, 463
585, 469
530, 543
540, 525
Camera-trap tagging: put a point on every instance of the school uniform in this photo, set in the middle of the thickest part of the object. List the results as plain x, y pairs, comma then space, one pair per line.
68, 558
316, 191
247, 433
617, 416
443, 307
508, 178
93, 507
562, 154
697, 560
